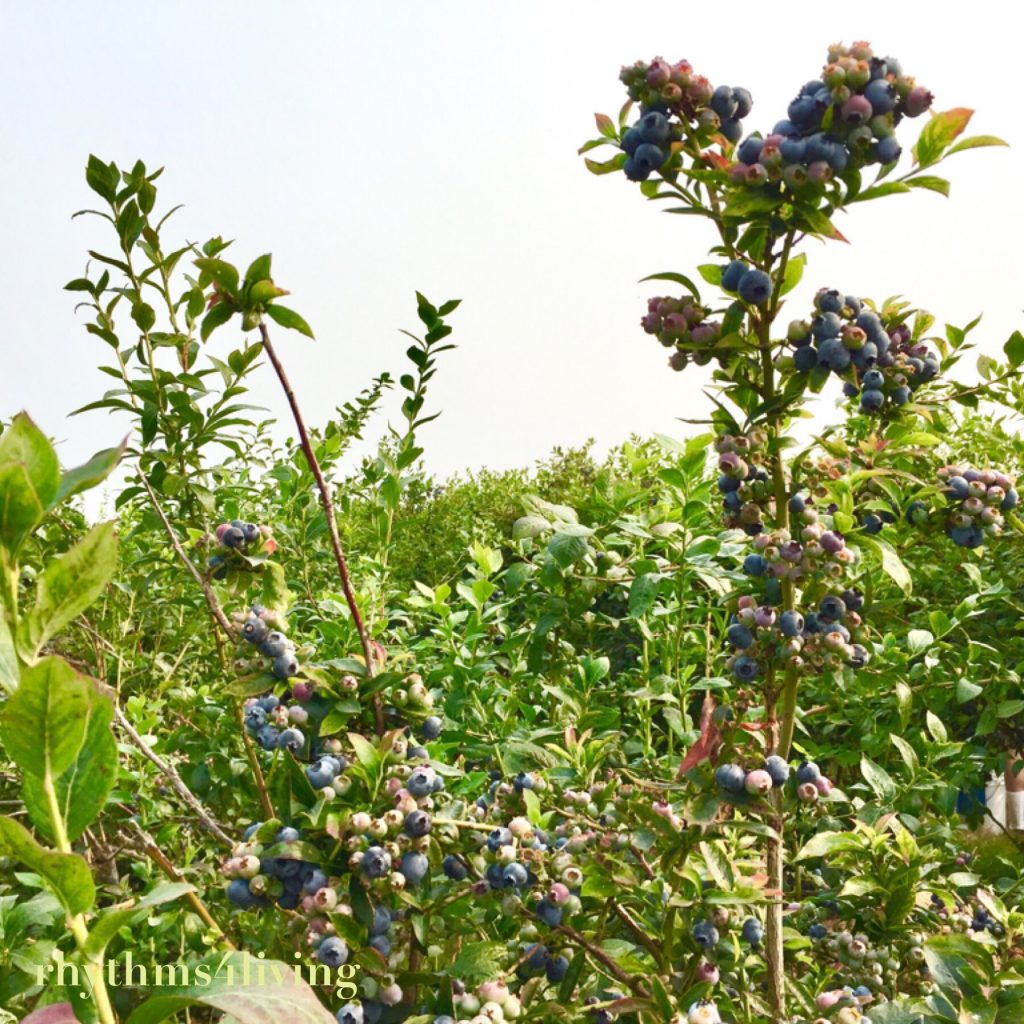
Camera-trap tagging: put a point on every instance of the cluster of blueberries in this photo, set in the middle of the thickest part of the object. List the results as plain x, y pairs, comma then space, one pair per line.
275, 725
845, 119
665, 91
735, 781
761, 635
265, 874
237, 538
257, 629
977, 497
753, 286
847, 338
681, 324
491, 1001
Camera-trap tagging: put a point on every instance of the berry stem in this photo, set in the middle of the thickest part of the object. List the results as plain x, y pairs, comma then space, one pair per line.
332, 526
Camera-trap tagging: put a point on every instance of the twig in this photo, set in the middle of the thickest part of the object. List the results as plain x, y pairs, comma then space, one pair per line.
211, 598
174, 778
604, 959
255, 768
637, 932
159, 858
332, 526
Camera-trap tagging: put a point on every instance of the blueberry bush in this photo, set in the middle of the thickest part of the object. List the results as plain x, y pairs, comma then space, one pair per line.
693, 732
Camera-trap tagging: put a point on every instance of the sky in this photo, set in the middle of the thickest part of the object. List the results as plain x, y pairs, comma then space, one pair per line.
376, 149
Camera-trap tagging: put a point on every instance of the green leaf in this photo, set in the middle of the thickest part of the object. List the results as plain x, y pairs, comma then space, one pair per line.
939, 133
567, 547
892, 565
976, 142
259, 269
89, 474
643, 593
69, 585
8, 657
918, 641
110, 921
825, 843
251, 991
616, 163
1014, 348
930, 182
478, 961
813, 220
794, 272
220, 314
220, 271
935, 727
29, 480
67, 873
366, 753
82, 789
43, 724
670, 275
711, 272
887, 188
878, 779
289, 318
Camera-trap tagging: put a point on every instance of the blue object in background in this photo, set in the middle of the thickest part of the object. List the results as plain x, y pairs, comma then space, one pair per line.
966, 801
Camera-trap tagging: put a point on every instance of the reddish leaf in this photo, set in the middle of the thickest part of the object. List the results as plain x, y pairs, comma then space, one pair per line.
709, 741
57, 1013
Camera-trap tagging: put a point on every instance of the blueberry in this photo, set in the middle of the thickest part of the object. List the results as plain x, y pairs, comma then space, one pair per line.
332, 952
515, 874
805, 359
647, 158
232, 537
314, 882
833, 355
321, 774
275, 645
791, 623
873, 380
376, 862
732, 130
556, 969
723, 103
793, 150
744, 101
755, 287
817, 931
550, 913
421, 782
254, 630
381, 920
752, 931
285, 666
872, 401
881, 95
291, 739
733, 274
739, 636
255, 718
746, 669
887, 151
242, 896
269, 702
250, 532
431, 728
417, 824
653, 127
755, 565
730, 777
414, 866
808, 772
350, 1013
828, 324
631, 139
454, 868
958, 487
267, 737
750, 150
705, 934
498, 838
1010, 499
778, 768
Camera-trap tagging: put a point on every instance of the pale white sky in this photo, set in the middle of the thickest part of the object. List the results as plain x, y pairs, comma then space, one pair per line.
379, 148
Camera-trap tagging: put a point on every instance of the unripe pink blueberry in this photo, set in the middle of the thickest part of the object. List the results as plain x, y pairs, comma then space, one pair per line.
807, 792
823, 785
708, 972
758, 782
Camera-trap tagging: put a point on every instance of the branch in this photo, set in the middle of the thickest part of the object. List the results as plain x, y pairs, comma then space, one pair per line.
174, 778
332, 526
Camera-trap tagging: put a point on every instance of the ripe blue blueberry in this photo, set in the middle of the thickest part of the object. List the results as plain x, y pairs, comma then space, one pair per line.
832, 608
723, 103
242, 896
376, 862
746, 669
255, 718
730, 777
321, 774
817, 931
515, 874
556, 968
631, 139
778, 768
232, 537
872, 401
254, 630
873, 380
739, 636
808, 772
1010, 499
250, 532
653, 127
414, 866
833, 355
267, 737
647, 158
791, 623
749, 150
805, 359
887, 150
752, 931
350, 1013
332, 952
421, 782
417, 823
431, 728
550, 913
733, 274
755, 287
291, 739
285, 666
705, 934
958, 487
755, 565
275, 645
900, 395
744, 101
